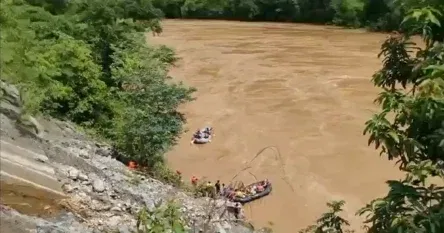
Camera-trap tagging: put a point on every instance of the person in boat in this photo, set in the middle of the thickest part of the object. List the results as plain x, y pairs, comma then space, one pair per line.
260, 188
242, 186
253, 190
230, 194
198, 134
265, 183
239, 193
201, 134
207, 131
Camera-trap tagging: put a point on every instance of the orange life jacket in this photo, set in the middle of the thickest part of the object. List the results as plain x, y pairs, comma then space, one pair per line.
132, 165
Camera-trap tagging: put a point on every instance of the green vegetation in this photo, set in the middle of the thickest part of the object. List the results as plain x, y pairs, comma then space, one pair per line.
164, 218
87, 61
381, 15
330, 222
164, 174
413, 96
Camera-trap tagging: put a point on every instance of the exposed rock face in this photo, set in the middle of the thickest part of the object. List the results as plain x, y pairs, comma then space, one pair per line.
102, 196
11, 107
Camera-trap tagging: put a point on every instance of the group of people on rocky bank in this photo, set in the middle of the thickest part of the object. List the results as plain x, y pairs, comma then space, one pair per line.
233, 193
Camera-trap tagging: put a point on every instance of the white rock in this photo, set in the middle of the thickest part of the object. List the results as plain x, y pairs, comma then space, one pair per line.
98, 185
83, 177
73, 173
116, 209
86, 182
68, 188
113, 221
125, 229
84, 153
103, 151
42, 158
113, 196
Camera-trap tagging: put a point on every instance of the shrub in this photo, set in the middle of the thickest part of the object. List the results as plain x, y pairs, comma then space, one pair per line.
164, 218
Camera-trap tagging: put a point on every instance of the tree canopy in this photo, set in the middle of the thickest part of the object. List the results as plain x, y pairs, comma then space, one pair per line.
381, 15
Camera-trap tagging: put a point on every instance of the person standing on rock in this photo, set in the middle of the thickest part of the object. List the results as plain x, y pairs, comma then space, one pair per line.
209, 189
194, 180
217, 186
237, 210
179, 175
223, 191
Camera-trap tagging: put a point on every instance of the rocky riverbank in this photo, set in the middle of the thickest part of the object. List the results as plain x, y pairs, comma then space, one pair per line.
103, 195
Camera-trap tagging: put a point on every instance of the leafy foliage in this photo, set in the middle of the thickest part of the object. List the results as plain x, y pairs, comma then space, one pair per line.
411, 205
410, 127
150, 123
330, 222
163, 173
415, 134
88, 62
347, 12
164, 218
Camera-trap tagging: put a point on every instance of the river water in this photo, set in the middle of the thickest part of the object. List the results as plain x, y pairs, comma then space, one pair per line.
303, 89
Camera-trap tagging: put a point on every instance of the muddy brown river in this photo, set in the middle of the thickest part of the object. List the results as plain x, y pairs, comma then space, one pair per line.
304, 90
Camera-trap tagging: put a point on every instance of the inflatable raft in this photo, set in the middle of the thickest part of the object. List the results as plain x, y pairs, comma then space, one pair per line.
202, 140
256, 196
207, 131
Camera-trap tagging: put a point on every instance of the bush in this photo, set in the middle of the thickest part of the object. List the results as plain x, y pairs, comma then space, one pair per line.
164, 218
348, 12
165, 174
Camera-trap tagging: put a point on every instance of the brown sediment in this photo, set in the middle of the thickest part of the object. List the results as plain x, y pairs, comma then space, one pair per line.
29, 200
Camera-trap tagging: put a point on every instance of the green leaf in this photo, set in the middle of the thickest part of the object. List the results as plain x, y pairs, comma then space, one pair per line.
394, 136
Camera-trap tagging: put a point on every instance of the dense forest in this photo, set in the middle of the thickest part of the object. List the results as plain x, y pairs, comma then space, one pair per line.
87, 61
380, 15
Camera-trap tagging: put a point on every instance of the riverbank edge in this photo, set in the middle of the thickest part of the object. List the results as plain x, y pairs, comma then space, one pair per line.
96, 184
